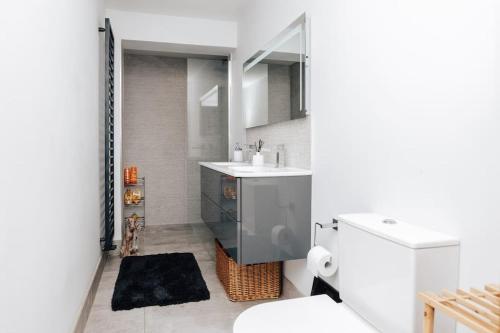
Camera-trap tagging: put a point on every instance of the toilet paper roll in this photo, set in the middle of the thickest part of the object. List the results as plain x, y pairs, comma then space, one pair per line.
321, 261
279, 235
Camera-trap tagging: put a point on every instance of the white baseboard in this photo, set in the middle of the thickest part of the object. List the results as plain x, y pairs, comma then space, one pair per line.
89, 299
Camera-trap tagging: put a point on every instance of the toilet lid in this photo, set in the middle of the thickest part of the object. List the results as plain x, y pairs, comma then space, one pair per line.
318, 314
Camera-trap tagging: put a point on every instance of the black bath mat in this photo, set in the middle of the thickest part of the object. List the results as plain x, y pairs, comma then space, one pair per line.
161, 279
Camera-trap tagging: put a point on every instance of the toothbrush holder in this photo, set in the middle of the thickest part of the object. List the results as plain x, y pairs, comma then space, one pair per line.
238, 156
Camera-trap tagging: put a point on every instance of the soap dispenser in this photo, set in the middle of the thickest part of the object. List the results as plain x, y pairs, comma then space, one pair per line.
258, 158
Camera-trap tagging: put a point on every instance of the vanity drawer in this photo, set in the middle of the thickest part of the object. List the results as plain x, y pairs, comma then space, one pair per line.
210, 183
275, 219
224, 227
221, 189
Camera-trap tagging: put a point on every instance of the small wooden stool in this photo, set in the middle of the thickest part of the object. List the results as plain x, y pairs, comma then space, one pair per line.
478, 309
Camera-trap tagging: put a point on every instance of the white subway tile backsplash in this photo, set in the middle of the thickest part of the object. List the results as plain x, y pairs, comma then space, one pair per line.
294, 134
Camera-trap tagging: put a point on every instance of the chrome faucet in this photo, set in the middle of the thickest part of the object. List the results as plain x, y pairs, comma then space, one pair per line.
280, 156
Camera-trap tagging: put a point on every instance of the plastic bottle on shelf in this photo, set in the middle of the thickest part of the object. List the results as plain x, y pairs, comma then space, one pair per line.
126, 176
133, 175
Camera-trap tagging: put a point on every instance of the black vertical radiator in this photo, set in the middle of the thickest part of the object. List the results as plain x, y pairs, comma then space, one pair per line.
109, 133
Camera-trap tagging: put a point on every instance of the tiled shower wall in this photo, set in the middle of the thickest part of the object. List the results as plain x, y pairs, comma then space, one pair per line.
154, 132
207, 125
166, 131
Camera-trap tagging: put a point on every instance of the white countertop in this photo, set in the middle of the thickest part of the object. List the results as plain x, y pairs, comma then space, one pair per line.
245, 170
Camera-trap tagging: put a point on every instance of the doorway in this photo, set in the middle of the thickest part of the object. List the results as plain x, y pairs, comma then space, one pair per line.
174, 114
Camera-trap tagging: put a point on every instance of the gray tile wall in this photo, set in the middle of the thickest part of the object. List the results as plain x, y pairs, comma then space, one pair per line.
279, 93
207, 126
155, 132
295, 91
166, 132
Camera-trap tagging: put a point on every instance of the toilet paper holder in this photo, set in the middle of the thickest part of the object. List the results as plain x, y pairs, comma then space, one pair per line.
334, 225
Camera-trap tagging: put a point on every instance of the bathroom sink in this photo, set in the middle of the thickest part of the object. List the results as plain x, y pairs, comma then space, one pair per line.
242, 169
251, 168
228, 164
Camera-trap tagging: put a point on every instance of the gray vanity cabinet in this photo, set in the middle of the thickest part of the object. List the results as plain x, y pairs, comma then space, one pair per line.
258, 219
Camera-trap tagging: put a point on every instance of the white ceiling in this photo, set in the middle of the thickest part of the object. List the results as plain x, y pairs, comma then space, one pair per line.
211, 9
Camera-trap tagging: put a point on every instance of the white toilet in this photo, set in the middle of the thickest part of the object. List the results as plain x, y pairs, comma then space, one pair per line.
383, 263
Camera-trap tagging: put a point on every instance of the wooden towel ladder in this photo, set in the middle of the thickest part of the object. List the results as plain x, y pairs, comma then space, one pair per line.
477, 309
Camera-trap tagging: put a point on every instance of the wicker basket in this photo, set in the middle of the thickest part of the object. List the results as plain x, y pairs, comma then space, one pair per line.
247, 282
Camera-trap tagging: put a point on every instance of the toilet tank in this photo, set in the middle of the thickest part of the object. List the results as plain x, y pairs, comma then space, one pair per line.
383, 263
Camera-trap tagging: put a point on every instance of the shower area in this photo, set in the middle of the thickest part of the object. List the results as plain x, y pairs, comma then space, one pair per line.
174, 114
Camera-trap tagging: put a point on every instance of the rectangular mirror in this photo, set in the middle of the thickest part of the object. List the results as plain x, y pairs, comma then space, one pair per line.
274, 79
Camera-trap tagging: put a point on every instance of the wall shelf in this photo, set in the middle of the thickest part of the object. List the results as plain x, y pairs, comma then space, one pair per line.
140, 183
139, 209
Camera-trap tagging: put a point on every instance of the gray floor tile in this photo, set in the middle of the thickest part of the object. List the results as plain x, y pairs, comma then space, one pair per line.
214, 315
112, 264
103, 319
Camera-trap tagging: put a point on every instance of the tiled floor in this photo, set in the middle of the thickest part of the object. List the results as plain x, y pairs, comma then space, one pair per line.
214, 315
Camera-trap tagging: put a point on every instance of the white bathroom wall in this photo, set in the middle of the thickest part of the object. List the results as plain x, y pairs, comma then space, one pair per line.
172, 29
405, 115
49, 113
159, 32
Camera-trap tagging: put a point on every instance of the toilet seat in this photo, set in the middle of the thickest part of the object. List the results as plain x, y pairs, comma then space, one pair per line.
318, 314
